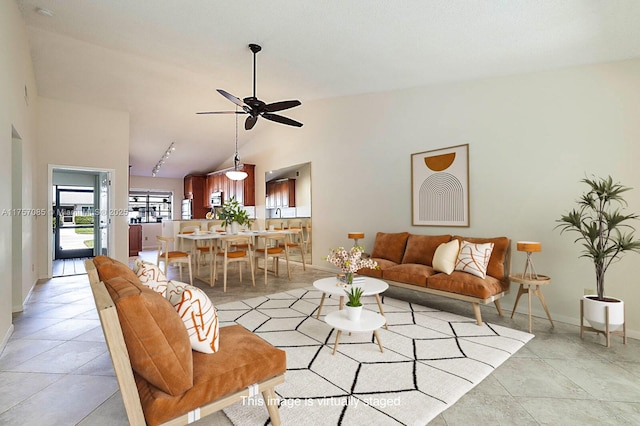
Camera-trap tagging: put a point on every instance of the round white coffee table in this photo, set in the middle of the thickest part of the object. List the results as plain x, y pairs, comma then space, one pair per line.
333, 286
369, 321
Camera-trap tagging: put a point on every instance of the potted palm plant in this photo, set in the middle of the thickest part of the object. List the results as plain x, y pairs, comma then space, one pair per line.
233, 215
605, 234
353, 305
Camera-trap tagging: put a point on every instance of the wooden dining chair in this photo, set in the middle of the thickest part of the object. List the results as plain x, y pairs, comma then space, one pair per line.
205, 251
228, 255
272, 250
306, 236
276, 223
172, 256
294, 241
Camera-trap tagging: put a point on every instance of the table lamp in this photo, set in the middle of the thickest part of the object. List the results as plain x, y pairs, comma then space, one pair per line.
529, 247
355, 236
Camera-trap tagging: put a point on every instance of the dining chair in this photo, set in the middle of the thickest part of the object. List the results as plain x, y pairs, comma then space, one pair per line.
188, 229
215, 226
229, 255
172, 256
205, 249
272, 250
295, 242
276, 223
199, 249
306, 236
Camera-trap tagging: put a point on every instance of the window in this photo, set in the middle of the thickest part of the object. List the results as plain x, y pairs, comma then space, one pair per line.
150, 206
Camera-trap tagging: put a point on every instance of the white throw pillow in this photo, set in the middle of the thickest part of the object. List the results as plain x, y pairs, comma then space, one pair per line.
446, 256
151, 276
198, 314
474, 258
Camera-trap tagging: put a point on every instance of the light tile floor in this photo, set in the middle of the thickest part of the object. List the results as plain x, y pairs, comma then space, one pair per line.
55, 369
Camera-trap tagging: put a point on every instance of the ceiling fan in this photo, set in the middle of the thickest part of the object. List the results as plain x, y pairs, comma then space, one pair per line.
255, 107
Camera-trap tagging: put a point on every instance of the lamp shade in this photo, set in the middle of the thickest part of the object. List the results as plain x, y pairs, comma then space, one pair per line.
236, 175
355, 235
529, 246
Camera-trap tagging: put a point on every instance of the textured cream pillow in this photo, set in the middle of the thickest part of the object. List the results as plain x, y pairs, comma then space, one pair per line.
474, 258
151, 276
445, 257
198, 314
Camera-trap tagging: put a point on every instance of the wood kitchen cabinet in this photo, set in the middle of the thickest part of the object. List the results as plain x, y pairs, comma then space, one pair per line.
243, 190
281, 193
135, 240
194, 189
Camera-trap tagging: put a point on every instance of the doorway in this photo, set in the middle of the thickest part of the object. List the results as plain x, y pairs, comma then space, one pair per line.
80, 222
73, 229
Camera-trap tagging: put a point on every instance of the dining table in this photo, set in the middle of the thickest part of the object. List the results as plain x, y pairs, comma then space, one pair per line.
211, 236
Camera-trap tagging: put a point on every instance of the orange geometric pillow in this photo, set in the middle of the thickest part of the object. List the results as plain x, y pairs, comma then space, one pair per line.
198, 314
474, 258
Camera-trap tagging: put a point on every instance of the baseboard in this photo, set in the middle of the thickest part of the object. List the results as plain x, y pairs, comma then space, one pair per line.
6, 337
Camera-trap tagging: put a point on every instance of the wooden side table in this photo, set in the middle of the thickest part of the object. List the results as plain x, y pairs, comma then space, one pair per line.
530, 285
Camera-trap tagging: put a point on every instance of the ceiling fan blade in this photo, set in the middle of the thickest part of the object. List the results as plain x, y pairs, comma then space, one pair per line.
280, 106
232, 98
221, 112
250, 122
281, 119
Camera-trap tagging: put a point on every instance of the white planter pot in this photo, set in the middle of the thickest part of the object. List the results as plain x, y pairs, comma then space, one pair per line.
353, 313
594, 312
234, 227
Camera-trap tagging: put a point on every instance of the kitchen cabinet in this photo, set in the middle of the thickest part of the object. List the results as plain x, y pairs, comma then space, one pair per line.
281, 193
194, 189
135, 240
243, 190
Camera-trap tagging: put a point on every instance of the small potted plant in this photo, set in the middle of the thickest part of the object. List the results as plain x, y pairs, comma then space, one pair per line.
354, 305
605, 235
233, 215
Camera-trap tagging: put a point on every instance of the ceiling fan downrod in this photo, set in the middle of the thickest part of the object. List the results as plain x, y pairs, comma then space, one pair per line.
255, 48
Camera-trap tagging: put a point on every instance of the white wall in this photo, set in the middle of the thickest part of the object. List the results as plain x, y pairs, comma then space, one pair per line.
531, 139
17, 122
72, 135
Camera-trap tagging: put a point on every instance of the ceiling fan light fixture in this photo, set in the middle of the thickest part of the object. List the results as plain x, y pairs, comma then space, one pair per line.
236, 174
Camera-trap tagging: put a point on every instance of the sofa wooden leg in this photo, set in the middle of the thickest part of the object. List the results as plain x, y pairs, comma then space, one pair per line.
476, 311
269, 397
497, 303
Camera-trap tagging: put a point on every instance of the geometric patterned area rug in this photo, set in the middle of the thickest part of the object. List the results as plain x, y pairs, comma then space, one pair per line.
431, 358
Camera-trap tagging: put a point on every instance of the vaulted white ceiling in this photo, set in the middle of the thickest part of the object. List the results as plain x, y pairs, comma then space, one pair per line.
162, 60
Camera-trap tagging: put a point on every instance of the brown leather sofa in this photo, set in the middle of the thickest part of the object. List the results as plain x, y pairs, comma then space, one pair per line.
162, 380
406, 260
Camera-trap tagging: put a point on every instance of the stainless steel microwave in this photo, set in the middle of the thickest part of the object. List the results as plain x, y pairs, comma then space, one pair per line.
216, 199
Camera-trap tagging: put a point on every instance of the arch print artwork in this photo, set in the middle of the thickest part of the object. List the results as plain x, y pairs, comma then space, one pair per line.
440, 187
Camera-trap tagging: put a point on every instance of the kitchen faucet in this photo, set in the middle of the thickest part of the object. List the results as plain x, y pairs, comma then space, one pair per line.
279, 213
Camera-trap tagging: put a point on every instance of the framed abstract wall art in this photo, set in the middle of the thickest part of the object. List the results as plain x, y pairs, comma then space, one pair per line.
440, 187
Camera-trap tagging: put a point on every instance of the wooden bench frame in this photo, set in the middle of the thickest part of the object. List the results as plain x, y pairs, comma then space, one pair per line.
124, 372
475, 301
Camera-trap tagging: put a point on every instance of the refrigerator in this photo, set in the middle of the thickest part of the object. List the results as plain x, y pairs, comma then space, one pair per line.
187, 209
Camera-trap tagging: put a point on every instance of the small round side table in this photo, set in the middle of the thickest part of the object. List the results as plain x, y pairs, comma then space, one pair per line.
531, 284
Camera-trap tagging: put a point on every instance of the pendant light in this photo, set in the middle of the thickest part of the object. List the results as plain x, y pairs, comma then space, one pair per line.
236, 174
